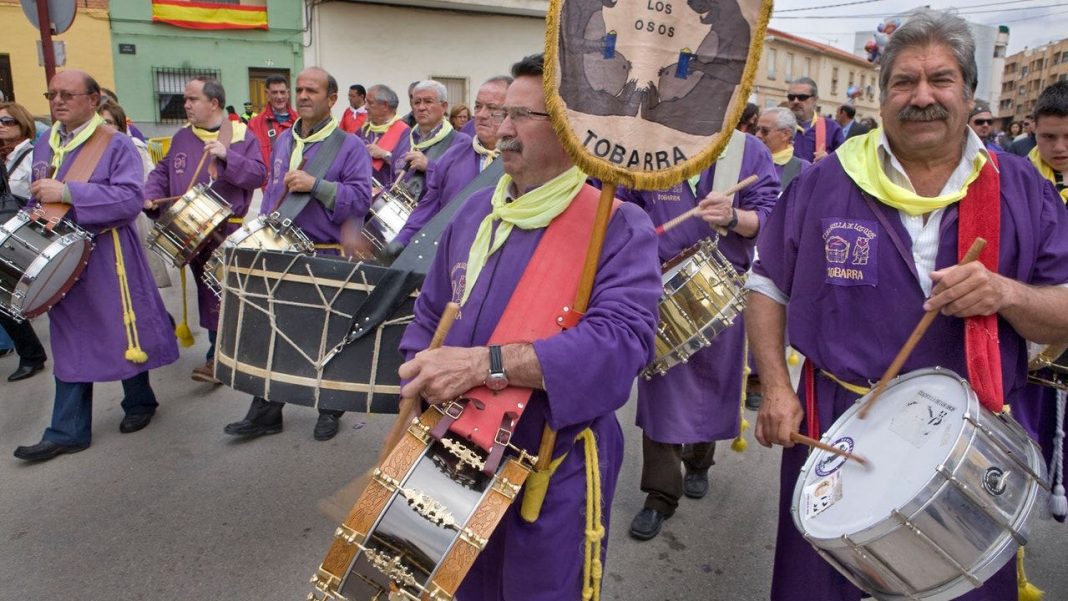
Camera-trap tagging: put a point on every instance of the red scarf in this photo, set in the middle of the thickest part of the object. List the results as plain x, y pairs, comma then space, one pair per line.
980, 217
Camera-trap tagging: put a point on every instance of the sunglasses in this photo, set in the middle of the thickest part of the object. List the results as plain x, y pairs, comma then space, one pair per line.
760, 129
798, 97
8, 121
983, 121
64, 95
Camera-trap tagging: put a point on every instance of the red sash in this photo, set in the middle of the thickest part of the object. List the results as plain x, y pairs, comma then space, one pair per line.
389, 141
980, 217
538, 309
821, 135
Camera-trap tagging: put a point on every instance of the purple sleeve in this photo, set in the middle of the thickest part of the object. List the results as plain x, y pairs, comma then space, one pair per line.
158, 183
434, 294
244, 166
1051, 261
431, 202
354, 182
588, 370
760, 197
119, 198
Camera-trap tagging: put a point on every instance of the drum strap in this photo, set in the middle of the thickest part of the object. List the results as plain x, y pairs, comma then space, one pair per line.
226, 134
536, 310
980, 217
80, 171
415, 182
389, 141
821, 134
293, 203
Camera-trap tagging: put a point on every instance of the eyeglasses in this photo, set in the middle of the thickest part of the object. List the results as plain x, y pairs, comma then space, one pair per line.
798, 97
516, 113
110, 122
7, 121
983, 121
760, 129
64, 95
426, 101
494, 110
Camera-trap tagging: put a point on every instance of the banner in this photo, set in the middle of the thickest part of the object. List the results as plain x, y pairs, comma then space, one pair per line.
645, 93
208, 15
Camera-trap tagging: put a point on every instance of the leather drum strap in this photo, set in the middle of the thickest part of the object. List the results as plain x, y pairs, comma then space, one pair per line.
80, 171
293, 203
226, 137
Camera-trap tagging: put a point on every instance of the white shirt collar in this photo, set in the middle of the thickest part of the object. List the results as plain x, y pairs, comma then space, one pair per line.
896, 172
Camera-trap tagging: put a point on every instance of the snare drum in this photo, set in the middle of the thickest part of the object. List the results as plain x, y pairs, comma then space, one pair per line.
947, 499
388, 214
38, 265
266, 232
186, 226
702, 295
418, 527
1048, 365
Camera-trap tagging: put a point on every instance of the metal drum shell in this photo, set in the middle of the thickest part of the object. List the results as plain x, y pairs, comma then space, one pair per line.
27, 249
187, 225
387, 216
910, 553
264, 233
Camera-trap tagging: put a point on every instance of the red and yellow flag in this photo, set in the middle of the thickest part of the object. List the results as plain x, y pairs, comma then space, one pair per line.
208, 15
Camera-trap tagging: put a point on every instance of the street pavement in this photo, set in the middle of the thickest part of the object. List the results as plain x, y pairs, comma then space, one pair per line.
180, 511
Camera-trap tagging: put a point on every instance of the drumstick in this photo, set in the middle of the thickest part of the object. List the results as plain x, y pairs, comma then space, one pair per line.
812, 442
337, 505
914, 339
674, 221
160, 201
196, 173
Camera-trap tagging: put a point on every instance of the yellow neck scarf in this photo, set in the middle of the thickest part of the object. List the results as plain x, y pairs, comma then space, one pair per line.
380, 129
207, 136
298, 142
859, 156
446, 129
59, 153
783, 156
533, 210
486, 154
1046, 171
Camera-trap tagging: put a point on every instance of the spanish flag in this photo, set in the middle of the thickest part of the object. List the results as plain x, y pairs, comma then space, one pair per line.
208, 15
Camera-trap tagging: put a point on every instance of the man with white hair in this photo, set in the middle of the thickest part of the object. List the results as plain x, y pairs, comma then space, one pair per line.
776, 128
428, 140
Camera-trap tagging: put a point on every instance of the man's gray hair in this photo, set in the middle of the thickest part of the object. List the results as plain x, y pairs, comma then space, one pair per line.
436, 86
384, 93
924, 27
808, 82
504, 79
784, 117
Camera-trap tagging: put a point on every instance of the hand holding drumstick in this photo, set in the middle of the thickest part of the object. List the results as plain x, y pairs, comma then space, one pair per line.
715, 204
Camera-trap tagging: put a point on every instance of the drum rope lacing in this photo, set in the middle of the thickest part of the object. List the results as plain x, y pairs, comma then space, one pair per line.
1058, 504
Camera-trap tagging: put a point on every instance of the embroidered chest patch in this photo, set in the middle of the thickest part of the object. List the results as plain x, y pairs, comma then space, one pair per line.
850, 252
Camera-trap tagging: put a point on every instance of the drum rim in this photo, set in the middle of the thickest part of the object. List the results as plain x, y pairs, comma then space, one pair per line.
67, 240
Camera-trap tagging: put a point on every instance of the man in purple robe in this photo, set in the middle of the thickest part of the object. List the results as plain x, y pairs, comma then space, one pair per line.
803, 97
463, 162
382, 132
776, 129
233, 170
580, 376
341, 195
683, 412
99, 334
850, 311
429, 139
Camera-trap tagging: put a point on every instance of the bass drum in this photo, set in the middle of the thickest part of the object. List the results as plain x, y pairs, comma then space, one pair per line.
947, 499
39, 262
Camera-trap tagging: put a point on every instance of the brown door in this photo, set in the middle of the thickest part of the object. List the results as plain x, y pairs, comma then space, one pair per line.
7, 87
257, 85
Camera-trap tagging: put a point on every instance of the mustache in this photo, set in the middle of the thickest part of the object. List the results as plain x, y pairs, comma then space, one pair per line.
934, 112
509, 145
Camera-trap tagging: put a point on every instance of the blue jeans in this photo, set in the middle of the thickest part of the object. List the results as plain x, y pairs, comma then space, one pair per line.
6, 343
72, 414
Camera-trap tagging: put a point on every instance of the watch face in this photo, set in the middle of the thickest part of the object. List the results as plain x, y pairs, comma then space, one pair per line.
497, 382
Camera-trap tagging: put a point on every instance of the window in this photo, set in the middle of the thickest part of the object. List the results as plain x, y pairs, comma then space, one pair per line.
788, 72
852, 75
7, 87
456, 88
808, 67
771, 57
1064, 57
170, 91
834, 80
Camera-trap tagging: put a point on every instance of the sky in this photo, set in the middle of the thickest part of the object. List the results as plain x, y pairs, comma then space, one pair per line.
1031, 22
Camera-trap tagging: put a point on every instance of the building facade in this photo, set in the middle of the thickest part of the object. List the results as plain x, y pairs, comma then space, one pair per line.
787, 57
1027, 73
154, 58
22, 79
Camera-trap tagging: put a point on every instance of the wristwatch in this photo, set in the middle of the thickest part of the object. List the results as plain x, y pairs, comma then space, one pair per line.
734, 219
497, 380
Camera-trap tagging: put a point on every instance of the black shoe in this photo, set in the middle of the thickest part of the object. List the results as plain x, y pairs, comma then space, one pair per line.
326, 427
135, 422
25, 371
251, 429
753, 400
45, 450
263, 417
647, 524
695, 484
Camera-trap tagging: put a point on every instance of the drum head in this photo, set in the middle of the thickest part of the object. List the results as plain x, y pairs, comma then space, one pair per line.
911, 430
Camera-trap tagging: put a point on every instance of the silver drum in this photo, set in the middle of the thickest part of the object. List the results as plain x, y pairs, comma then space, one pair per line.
266, 232
946, 501
39, 262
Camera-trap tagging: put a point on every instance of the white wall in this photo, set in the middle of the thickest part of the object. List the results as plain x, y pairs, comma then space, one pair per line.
372, 44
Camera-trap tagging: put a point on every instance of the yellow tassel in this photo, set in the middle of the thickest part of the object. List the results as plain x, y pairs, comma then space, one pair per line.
181, 331
794, 359
739, 445
1027, 591
136, 355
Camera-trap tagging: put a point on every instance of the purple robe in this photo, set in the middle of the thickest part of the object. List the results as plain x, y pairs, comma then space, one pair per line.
445, 178
351, 171
385, 174
805, 141
780, 168
588, 372
411, 178
88, 334
851, 322
238, 176
700, 400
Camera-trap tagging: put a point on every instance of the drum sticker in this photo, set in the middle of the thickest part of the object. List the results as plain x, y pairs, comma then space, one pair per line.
829, 464
920, 417
821, 494
850, 247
